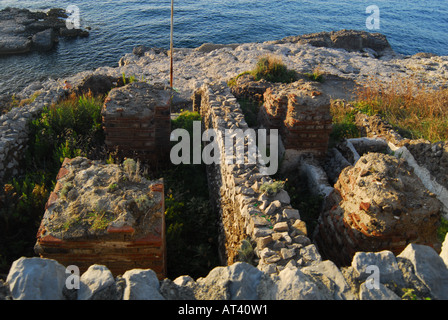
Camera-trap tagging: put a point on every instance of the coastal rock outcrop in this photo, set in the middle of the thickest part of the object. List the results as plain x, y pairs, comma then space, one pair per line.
22, 30
374, 44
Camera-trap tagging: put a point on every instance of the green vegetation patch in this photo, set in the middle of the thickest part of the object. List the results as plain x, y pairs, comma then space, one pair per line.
69, 128
269, 68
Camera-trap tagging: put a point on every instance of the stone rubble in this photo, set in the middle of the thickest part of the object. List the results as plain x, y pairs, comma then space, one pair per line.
377, 204
418, 269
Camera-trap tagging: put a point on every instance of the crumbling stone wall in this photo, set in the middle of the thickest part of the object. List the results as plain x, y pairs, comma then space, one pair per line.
14, 131
268, 222
377, 204
247, 88
104, 214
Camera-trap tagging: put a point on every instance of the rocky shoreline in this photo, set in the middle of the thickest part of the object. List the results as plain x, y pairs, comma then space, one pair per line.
343, 65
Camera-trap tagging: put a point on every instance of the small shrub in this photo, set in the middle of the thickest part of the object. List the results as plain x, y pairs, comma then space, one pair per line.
317, 75
343, 114
232, 82
130, 166
442, 229
100, 219
112, 187
246, 252
131, 79
65, 189
271, 189
185, 121
69, 128
273, 69
132, 170
143, 202
409, 294
22, 204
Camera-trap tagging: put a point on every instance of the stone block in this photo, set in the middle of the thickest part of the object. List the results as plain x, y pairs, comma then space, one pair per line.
104, 214
36, 279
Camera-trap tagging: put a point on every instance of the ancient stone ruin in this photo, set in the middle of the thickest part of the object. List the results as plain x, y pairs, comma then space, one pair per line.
376, 200
137, 123
377, 204
104, 214
301, 113
256, 225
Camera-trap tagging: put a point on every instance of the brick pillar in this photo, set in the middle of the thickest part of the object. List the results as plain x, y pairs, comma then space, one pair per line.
136, 121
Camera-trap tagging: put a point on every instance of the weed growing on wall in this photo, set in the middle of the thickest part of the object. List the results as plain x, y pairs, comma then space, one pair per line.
272, 69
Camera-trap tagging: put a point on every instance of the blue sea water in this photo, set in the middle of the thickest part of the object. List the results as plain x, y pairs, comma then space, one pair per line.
117, 26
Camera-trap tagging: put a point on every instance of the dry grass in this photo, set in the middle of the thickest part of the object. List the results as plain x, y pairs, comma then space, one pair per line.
418, 110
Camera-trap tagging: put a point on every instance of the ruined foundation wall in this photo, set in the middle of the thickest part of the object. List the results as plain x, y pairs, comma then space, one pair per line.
301, 112
269, 223
136, 122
